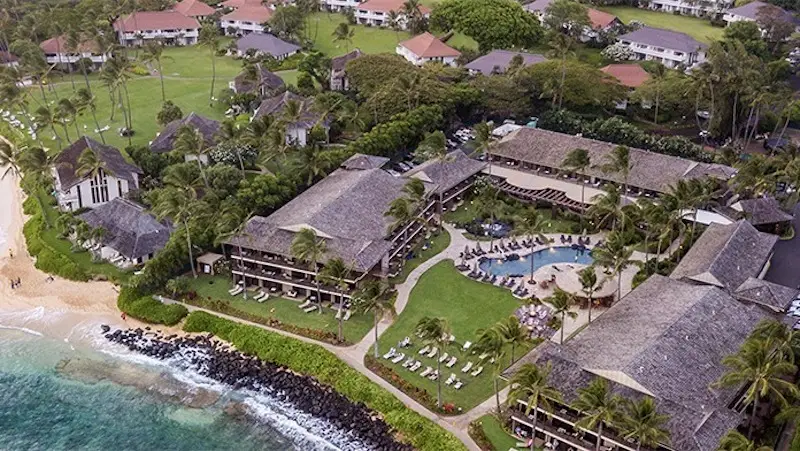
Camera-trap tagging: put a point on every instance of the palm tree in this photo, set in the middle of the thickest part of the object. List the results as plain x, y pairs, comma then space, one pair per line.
435, 332
643, 423
492, 343
336, 273
209, 37
614, 255
531, 385
658, 74
371, 296
312, 162
589, 284
619, 162
231, 223
182, 209
189, 142
561, 45
85, 100
44, 117
561, 301
343, 32
67, 112
578, 160
89, 164
531, 224
409, 86
606, 209
785, 341
393, 21
756, 365
154, 53
598, 406
489, 204
734, 441
9, 158
513, 333
483, 141
308, 248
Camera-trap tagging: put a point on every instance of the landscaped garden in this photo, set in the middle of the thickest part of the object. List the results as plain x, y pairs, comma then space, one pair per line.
494, 433
422, 253
469, 211
322, 326
367, 39
467, 306
700, 29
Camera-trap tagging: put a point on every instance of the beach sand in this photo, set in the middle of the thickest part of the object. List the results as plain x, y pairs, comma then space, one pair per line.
55, 308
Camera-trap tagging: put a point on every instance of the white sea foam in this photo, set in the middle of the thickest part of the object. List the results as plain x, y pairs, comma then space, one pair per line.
30, 321
23, 329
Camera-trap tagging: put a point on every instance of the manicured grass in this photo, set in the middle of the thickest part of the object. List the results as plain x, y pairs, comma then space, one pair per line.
468, 306
696, 27
461, 40
500, 439
285, 310
289, 76
437, 244
82, 258
368, 39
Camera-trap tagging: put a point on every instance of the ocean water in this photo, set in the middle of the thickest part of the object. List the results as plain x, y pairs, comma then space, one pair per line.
544, 257
42, 408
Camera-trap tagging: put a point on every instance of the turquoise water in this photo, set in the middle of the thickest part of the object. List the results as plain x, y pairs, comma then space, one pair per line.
42, 409
544, 257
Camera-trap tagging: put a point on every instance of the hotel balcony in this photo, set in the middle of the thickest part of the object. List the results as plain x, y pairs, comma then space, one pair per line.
282, 279
277, 263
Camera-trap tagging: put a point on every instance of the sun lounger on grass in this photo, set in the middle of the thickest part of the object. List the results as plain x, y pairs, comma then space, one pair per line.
467, 367
415, 366
347, 314
338, 314
467, 345
453, 361
444, 357
235, 291
483, 356
433, 352
390, 354
409, 361
398, 358
477, 372
450, 379
428, 370
310, 308
304, 304
433, 376
458, 385
424, 350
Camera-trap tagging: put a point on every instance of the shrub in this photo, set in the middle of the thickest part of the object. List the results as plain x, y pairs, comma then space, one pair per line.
47, 259
479, 435
146, 308
315, 361
391, 376
169, 112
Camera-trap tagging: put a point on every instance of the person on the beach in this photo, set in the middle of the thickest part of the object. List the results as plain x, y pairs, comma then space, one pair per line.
11, 253
123, 316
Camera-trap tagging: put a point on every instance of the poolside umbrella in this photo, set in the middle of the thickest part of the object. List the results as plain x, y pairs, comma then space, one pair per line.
478, 246
475, 268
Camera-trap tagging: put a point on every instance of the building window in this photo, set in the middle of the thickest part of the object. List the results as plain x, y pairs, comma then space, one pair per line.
99, 187
119, 187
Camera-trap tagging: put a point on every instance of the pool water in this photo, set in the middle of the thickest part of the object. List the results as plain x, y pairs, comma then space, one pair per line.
559, 254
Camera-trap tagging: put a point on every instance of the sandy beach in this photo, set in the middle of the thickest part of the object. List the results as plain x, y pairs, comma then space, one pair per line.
57, 308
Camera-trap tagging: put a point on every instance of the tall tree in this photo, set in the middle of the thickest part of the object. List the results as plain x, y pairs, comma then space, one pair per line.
735, 441
344, 33
209, 38
372, 296
589, 285
561, 303
513, 333
90, 164
312, 162
435, 332
231, 223
614, 255
578, 160
189, 142
644, 424
598, 407
561, 48
336, 273
532, 224
182, 209
154, 53
531, 384
307, 247
492, 343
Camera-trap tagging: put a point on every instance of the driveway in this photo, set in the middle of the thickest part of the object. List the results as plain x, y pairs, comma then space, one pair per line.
785, 268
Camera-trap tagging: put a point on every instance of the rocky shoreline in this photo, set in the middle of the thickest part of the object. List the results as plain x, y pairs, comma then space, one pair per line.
224, 364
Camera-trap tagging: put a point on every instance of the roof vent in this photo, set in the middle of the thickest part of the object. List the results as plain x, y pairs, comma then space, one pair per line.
641, 369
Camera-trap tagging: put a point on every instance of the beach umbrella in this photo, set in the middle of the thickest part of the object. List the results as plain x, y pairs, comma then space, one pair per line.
475, 267
478, 247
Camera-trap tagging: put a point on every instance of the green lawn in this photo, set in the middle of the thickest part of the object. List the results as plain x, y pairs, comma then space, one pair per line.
368, 39
500, 439
462, 41
700, 29
438, 243
468, 212
285, 310
467, 305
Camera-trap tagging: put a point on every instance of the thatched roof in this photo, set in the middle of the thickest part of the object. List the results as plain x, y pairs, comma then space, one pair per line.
762, 211
266, 79
772, 295
446, 174
666, 340
66, 163
361, 161
651, 171
130, 230
346, 209
338, 63
726, 255
166, 139
275, 106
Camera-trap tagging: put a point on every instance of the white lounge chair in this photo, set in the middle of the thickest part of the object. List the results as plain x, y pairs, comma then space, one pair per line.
415, 366
347, 314
424, 350
467, 345
452, 338
260, 296
409, 361
467, 367
483, 356
292, 294
264, 298
433, 376
390, 354
428, 370
338, 314
404, 343
310, 308
477, 372
433, 352
444, 357
304, 304
453, 361
450, 379
237, 291
458, 385
398, 358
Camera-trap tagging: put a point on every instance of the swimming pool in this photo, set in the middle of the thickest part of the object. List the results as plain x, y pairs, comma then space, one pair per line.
559, 254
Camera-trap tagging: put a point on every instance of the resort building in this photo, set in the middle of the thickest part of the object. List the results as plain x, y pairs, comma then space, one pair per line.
131, 234
765, 213
664, 340
265, 84
265, 44
115, 178
297, 131
339, 80
670, 48
346, 210
8, 59
528, 164
376, 12
749, 13
165, 140
629, 75
497, 62
425, 48
233, 4
194, 9
170, 27
690, 7
57, 51
245, 20
600, 21
340, 5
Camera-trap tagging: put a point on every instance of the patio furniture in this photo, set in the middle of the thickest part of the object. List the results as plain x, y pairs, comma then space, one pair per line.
292, 294
261, 295
424, 350
453, 361
304, 304
263, 298
347, 314
450, 379
338, 314
415, 366
428, 370
433, 376
433, 352
483, 356
477, 371
409, 361
390, 354
467, 345
467, 367
444, 357
236, 291
405, 342
310, 308
398, 358
458, 385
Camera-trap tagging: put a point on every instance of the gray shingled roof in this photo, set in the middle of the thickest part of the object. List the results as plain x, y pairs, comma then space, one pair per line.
130, 230
772, 295
165, 140
650, 170
275, 105
346, 209
726, 255
764, 210
266, 79
361, 161
537, 6
456, 168
665, 339
338, 63
66, 163
498, 61
667, 39
750, 11
266, 43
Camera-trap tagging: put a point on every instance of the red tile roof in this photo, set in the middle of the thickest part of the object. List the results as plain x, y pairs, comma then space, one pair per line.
193, 8
155, 20
389, 5
600, 19
257, 14
426, 45
240, 3
630, 75
53, 45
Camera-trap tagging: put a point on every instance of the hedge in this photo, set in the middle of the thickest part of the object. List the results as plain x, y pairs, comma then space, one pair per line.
313, 360
148, 309
47, 259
